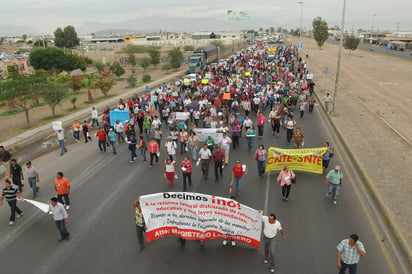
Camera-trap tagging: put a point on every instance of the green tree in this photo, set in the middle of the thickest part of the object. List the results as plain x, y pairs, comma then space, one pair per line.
53, 93
144, 62
55, 59
99, 66
175, 55
154, 56
40, 44
146, 78
351, 43
219, 44
18, 90
117, 69
132, 79
73, 100
66, 38
88, 82
320, 31
104, 82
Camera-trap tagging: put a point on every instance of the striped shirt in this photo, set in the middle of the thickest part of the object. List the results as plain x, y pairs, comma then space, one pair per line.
350, 254
10, 194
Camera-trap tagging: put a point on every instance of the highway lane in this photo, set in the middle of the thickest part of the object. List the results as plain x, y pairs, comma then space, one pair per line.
103, 238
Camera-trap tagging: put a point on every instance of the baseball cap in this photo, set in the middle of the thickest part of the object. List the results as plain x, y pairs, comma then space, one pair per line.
337, 167
28, 163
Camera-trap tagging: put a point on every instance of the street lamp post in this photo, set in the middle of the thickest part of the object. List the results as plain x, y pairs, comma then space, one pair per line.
301, 16
373, 24
339, 57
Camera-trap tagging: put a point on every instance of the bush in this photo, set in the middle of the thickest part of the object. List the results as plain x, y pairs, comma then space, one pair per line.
131, 80
146, 78
188, 48
88, 61
166, 66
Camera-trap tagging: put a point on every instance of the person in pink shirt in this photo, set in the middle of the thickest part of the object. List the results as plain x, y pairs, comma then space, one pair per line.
261, 120
285, 177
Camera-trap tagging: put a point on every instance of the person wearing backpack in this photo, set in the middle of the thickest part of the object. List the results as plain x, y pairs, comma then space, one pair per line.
326, 157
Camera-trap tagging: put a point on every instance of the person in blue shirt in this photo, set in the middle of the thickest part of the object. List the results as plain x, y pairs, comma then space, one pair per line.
112, 139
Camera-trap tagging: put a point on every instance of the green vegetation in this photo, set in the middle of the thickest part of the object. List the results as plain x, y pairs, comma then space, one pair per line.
351, 43
320, 31
189, 48
144, 62
66, 38
154, 56
54, 59
175, 55
217, 43
146, 78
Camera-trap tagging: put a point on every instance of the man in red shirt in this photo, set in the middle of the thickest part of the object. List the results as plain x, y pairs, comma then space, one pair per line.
102, 136
218, 161
62, 186
237, 175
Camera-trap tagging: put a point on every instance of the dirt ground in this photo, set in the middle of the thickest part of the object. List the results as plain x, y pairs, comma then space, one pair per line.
13, 125
372, 106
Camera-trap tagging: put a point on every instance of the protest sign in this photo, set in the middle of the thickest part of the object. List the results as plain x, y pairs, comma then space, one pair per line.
121, 115
202, 133
304, 159
181, 115
195, 216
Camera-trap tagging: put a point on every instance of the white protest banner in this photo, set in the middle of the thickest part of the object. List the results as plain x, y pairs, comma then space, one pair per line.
195, 216
42, 206
181, 115
203, 133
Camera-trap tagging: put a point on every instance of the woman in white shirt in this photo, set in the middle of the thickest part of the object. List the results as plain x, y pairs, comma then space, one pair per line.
170, 169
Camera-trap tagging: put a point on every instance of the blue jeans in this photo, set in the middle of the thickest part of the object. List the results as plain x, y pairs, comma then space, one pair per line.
351, 267
261, 165
238, 182
250, 141
260, 130
270, 246
182, 147
143, 153
113, 144
120, 137
334, 189
193, 151
61, 226
32, 183
63, 148
132, 153
147, 131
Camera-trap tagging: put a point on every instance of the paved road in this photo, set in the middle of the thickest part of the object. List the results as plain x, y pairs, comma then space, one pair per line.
407, 54
103, 238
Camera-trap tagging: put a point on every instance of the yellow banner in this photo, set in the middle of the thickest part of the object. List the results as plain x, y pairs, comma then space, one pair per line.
205, 81
247, 73
304, 159
271, 49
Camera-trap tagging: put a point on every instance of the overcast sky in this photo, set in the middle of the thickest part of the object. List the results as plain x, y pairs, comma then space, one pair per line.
46, 15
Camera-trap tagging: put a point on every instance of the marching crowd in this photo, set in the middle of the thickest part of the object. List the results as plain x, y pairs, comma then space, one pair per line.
241, 98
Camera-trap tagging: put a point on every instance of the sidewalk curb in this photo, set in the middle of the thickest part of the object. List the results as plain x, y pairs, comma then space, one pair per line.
370, 187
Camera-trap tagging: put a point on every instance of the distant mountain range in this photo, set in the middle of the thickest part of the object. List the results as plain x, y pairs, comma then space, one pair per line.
16, 31
171, 24
149, 25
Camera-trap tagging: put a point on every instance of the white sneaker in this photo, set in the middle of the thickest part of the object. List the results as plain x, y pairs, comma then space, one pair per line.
67, 207
131, 162
224, 242
335, 202
233, 243
19, 215
11, 223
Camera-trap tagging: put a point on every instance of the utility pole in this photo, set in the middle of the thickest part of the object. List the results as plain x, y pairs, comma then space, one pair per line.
397, 29
339, 57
